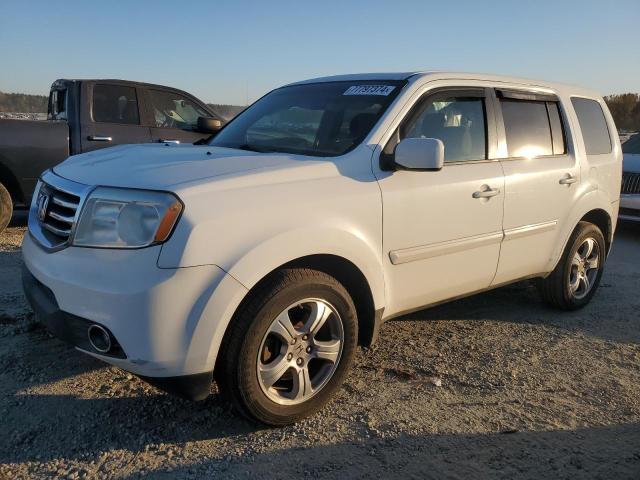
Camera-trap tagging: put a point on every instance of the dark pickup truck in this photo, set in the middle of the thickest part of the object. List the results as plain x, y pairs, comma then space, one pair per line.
85, 115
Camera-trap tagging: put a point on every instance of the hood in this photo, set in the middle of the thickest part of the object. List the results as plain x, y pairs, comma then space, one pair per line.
160, 166
631, 163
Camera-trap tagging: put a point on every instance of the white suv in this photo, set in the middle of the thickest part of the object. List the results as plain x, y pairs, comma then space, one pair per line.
264, 257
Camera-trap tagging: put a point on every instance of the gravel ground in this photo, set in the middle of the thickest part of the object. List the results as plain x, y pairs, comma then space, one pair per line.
496, 385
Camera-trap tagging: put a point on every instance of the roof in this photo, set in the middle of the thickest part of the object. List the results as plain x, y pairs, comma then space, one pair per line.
436, 75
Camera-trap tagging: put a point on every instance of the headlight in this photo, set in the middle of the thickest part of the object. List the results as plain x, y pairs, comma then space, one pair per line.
123, 218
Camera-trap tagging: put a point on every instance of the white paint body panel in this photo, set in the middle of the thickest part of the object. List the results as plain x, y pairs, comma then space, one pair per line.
418, 237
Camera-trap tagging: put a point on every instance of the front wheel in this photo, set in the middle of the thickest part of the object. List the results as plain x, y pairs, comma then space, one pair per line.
575, 279
289, 347
6, 208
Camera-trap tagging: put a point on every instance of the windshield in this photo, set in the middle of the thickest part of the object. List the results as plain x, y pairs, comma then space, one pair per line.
320, 119
632, 145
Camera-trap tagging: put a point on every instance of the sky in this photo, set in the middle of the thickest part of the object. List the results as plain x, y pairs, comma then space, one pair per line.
235, 51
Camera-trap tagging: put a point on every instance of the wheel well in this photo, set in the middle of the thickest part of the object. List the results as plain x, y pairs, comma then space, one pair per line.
11, 184
353, 280
602, 220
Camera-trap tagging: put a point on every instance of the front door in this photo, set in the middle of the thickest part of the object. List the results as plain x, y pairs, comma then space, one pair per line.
114, 118
442, 230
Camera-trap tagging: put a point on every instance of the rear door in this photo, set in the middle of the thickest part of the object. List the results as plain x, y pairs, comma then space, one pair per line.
174, 116
113, 116
542, 177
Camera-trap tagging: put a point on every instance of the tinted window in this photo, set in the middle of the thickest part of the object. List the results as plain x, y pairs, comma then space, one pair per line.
527, 129
115, 104
557, 132
593, 125
172, 110
322, 119
58, 105
458, 121
632, 145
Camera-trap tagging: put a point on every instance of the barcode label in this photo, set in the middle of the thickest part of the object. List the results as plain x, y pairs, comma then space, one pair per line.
383, 90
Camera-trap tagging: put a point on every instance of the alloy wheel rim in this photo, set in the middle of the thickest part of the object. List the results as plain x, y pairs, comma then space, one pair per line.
584, 268
300, 351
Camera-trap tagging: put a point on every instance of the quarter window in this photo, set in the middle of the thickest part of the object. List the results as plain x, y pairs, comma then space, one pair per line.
593, 125
458, 121
171, 110
115, 104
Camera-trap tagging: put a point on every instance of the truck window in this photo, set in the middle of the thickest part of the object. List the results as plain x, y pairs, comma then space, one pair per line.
172, 110
459, 122
115, 104
595, 132
58, 105
528, 127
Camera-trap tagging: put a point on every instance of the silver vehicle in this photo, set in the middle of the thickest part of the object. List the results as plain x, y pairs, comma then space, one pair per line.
630, 192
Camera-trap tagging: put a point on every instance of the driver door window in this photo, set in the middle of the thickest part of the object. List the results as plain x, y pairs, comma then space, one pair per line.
458, 121
171, 110
174, 117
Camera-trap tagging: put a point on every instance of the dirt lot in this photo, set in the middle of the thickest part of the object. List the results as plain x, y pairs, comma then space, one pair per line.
526, 392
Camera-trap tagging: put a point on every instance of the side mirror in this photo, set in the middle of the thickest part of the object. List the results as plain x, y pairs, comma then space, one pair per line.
209, 125
420, 154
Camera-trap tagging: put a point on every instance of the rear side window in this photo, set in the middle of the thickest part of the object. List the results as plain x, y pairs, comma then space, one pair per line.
115, 104
595, 132
532, 128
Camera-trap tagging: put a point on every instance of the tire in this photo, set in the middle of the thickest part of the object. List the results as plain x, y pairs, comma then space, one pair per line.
255, 347
6, 208
566, 287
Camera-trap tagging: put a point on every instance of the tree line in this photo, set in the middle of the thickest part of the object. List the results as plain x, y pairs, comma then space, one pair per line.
22, 103
625, 108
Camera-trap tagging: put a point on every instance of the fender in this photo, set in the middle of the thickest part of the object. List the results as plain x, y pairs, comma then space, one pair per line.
267, 256
344, 242
592, 199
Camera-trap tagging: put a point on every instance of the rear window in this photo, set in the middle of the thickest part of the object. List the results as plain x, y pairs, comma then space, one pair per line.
532, 128
115, 104
595, 132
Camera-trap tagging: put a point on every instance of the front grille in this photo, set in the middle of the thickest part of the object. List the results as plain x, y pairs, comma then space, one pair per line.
59, 213
54, 210
630, 183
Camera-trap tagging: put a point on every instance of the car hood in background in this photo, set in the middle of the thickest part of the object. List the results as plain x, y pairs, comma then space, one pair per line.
161, 166
631, 163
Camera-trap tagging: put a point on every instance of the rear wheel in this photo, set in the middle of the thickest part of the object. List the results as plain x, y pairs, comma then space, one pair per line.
289, 348
575, 279
6, 208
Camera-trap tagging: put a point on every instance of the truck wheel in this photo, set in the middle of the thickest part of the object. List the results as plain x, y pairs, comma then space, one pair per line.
6, 208
575, 279
289, 347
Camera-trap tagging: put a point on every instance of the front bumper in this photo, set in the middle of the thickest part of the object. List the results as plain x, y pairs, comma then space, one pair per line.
167, 322
629, 207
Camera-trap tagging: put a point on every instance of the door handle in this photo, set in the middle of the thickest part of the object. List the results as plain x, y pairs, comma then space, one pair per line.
99, 138
568, 179
488, 192
175, 142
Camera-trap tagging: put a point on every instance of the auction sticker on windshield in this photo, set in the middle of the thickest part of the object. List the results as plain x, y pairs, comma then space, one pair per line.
383, 90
